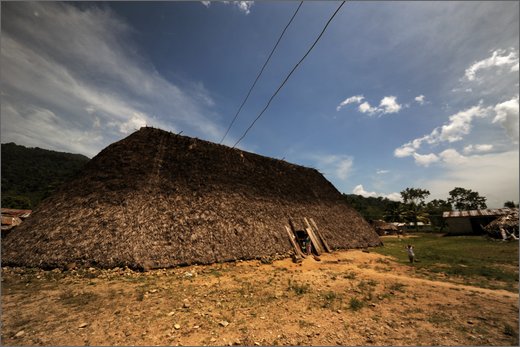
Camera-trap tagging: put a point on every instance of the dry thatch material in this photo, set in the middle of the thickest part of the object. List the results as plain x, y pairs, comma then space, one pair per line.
156, 199
505, 226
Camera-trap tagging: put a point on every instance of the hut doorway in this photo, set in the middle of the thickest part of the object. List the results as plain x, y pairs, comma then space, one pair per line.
303, 233
304, 242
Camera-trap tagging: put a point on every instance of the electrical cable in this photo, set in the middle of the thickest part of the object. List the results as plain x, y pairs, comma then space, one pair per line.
260, 73
289, 75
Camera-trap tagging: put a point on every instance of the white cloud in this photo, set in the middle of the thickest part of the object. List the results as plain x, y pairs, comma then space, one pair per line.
481, 148
366, 108
389, 105
451, 156
405, 150
27, 123
243, 6
136, 121
80, 65
359, 190
507, 117
420, 99
460, 124
493, 175
498, 59
206, 3
353, 99
336, 166
339, 165
425, 159
382, 172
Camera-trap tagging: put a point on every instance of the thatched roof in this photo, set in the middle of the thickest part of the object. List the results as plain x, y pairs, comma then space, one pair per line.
508, 222
156, 199
383, 227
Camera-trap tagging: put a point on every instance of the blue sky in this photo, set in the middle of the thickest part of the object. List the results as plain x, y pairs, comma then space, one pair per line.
394, 95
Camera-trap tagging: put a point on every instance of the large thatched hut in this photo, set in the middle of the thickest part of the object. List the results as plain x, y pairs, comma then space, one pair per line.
157, 199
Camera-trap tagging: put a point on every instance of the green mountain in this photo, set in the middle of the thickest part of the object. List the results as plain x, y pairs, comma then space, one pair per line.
29, 175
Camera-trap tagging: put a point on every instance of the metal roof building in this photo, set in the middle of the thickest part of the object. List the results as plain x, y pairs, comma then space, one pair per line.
473, 221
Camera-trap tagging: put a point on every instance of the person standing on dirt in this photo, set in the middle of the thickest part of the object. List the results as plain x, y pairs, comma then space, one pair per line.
411, 254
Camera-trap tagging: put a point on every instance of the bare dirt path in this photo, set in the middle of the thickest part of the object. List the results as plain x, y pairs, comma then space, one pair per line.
347, 298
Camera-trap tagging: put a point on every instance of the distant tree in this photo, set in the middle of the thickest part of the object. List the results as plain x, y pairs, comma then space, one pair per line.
465, 199
510, 204
413, 199
435, 208
414, 196
371, 208
395, 212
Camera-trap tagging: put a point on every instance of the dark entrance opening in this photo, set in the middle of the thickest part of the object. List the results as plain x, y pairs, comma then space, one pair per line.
302, 237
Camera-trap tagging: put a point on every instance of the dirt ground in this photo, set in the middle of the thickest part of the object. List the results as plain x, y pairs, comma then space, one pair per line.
346, 298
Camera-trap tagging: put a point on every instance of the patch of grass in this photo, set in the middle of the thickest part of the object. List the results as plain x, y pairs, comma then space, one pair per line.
350, 275
474, 259
299, 288
331, 300
413, 310
397, 287
438, 318
215, 272
355, 304
70, 298
509, 330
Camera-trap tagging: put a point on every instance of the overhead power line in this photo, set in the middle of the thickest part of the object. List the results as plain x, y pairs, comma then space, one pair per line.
261, 70
290, 73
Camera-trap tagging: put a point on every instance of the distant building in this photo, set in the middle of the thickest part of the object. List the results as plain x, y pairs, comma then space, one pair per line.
384, 228
11, 218
473, 221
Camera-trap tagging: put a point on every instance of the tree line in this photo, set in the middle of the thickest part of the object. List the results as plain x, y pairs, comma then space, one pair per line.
414, 209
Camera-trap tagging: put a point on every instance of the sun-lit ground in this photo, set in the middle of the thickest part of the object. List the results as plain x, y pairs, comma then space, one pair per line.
347, 298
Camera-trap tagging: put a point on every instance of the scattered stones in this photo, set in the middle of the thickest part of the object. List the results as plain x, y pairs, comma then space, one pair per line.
152, 291
213, 339
19, 334
470, 322
83, 325
257, 343
171, 313
372, 305
186, 305
177, 326
339, 311
223, 323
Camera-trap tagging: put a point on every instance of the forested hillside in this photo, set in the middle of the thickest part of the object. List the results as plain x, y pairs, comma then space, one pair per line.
372, 208
31, 174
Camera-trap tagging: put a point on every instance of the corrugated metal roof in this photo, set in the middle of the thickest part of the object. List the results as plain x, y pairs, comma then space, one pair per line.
478, 213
